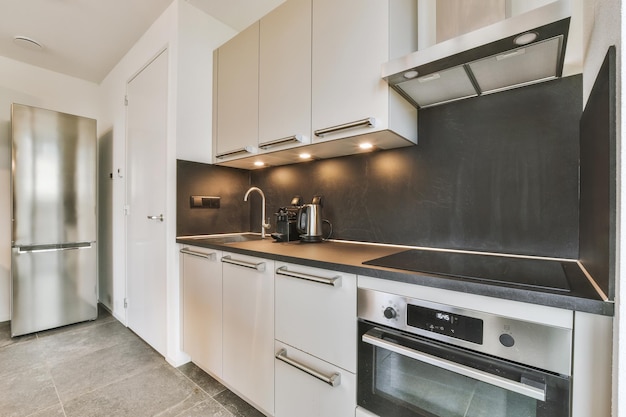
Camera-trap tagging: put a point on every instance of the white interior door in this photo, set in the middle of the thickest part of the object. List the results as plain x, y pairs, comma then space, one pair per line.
146, 220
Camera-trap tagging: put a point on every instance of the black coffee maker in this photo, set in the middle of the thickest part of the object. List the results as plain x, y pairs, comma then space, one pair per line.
286, 221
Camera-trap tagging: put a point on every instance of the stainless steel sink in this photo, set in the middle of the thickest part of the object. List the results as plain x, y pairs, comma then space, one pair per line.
222, 239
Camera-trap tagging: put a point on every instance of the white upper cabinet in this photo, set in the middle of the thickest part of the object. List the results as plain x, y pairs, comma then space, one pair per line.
238, 94
351, 39
306, 68
285, 76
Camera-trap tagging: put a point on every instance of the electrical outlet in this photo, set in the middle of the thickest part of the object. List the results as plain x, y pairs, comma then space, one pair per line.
200, 201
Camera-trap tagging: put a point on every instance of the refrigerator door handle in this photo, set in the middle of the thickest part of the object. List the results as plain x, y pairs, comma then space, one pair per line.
53, 248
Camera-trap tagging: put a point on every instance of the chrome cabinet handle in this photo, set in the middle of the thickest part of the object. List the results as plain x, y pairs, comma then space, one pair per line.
159, 217
258, 266
282, 141
334, 281
368, 122
188, 251
373, 337
333, 380
246, 149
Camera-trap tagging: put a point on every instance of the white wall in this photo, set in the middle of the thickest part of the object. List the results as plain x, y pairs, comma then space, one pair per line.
190, 36
603, 26
27, 84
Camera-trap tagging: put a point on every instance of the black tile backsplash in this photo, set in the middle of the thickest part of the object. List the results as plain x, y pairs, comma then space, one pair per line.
495, 173
193, 178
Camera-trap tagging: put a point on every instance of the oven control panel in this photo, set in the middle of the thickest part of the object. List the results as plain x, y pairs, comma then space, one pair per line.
446, 323
539, 345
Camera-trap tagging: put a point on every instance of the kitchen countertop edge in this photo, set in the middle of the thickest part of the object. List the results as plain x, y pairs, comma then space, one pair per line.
551, 299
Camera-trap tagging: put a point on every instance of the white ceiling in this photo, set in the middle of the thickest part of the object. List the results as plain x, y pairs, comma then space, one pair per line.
86, 38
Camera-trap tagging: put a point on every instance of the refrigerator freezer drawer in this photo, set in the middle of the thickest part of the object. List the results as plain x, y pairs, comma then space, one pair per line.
52, 287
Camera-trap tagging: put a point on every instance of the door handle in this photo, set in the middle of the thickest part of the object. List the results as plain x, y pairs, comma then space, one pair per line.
159, 217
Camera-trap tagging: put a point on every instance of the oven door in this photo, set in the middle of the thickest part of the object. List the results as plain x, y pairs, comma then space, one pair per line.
402, 375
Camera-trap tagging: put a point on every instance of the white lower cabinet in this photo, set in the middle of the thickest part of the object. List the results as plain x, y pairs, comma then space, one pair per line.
248, 328
316, 342
316, 312
201, 272
309, 387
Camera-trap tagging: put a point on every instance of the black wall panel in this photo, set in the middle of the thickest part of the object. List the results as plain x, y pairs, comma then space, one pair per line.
598, 174
193, 178
494, 173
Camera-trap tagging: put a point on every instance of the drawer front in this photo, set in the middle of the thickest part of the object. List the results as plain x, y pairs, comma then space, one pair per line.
316, 312
304, 386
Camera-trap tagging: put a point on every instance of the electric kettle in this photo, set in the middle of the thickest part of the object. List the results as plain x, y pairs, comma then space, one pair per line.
309, 221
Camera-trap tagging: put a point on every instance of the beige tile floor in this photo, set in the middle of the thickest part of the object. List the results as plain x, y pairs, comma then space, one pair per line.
101, 368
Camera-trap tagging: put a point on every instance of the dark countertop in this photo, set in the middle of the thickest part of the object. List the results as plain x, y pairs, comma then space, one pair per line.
349, 257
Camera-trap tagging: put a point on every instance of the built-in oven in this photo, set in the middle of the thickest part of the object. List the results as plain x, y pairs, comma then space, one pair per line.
419, 358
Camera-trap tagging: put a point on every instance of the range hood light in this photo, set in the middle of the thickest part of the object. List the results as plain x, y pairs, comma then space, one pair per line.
259, 164
305, 155
366, 146
429, 77
525, 38
410, 74
517, 52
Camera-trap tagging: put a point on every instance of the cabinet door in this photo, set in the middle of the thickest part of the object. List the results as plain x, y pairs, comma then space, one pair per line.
201, 272
248, 331
298, 393
238, 92
350, 42
285, 72
316, 312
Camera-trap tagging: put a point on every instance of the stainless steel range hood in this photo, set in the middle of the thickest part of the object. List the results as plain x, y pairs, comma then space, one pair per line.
524, 49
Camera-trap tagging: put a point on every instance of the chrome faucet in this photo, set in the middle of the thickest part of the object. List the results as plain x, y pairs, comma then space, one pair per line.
263, 224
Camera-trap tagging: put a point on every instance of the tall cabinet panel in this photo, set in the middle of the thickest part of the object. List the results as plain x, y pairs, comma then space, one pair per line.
285, 73
238, 92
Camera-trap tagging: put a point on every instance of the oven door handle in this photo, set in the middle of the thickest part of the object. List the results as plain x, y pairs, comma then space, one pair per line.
373, 337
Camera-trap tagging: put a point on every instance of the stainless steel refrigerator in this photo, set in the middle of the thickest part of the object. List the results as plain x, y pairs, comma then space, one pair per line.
53, 210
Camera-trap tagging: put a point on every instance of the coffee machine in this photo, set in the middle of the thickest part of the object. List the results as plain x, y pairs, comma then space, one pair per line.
286, 218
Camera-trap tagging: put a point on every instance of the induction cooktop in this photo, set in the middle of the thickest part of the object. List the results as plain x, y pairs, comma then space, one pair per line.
524, 272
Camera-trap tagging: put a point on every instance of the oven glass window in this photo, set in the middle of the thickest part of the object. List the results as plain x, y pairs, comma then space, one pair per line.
435, 392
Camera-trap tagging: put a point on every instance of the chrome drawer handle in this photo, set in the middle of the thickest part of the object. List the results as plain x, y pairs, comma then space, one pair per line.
282, 141
258, 266
334, 281
333, 380
373, 337
368, 122
159, 217
188, 251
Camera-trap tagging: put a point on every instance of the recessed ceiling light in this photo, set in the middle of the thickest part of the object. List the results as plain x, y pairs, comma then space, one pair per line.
28, 43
